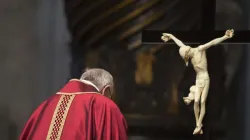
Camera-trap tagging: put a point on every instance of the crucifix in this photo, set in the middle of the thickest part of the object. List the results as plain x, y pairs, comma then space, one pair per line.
198, 92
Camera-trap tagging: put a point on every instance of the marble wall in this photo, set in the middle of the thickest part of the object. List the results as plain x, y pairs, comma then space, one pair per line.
34, 59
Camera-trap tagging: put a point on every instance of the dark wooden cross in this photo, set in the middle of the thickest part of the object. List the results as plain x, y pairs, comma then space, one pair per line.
206, 34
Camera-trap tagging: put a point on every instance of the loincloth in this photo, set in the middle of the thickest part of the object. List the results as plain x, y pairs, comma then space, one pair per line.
201, 83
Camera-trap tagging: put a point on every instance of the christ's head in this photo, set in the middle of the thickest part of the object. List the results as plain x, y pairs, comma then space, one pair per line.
102, 79
185, 53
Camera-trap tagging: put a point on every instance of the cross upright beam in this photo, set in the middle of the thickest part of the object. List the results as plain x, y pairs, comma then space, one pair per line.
207, 19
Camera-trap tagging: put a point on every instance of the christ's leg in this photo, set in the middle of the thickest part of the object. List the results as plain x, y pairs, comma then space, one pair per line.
203, 104
197, 95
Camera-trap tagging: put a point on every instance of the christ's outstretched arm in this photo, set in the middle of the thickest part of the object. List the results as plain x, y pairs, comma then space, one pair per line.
228, 34
167, 37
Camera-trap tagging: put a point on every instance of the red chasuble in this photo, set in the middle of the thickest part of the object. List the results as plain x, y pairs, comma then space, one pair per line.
76, 112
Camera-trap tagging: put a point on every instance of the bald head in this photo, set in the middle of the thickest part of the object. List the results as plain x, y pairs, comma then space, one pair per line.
99, 77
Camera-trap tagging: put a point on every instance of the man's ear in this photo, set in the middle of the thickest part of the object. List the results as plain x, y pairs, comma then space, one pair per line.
106, 91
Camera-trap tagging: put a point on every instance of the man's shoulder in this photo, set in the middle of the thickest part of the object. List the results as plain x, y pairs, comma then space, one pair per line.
105, 101
99, 100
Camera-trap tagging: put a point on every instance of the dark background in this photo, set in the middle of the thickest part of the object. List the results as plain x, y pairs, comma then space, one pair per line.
45, 43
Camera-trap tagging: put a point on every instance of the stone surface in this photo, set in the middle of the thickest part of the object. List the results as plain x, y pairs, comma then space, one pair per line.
34, 59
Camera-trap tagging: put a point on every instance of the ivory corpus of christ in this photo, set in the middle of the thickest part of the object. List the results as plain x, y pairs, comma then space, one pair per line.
199, 91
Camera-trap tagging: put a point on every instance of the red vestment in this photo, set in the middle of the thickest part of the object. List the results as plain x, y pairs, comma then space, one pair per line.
76, 112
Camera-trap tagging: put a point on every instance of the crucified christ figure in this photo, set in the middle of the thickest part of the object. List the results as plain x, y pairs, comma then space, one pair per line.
198, 92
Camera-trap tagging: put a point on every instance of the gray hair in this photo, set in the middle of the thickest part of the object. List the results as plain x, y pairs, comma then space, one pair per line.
99, 77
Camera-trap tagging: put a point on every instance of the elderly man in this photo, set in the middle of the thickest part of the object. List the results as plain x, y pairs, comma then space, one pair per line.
81, 110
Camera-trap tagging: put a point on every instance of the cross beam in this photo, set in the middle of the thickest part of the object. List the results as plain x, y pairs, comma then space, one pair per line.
206, 34
199, 37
